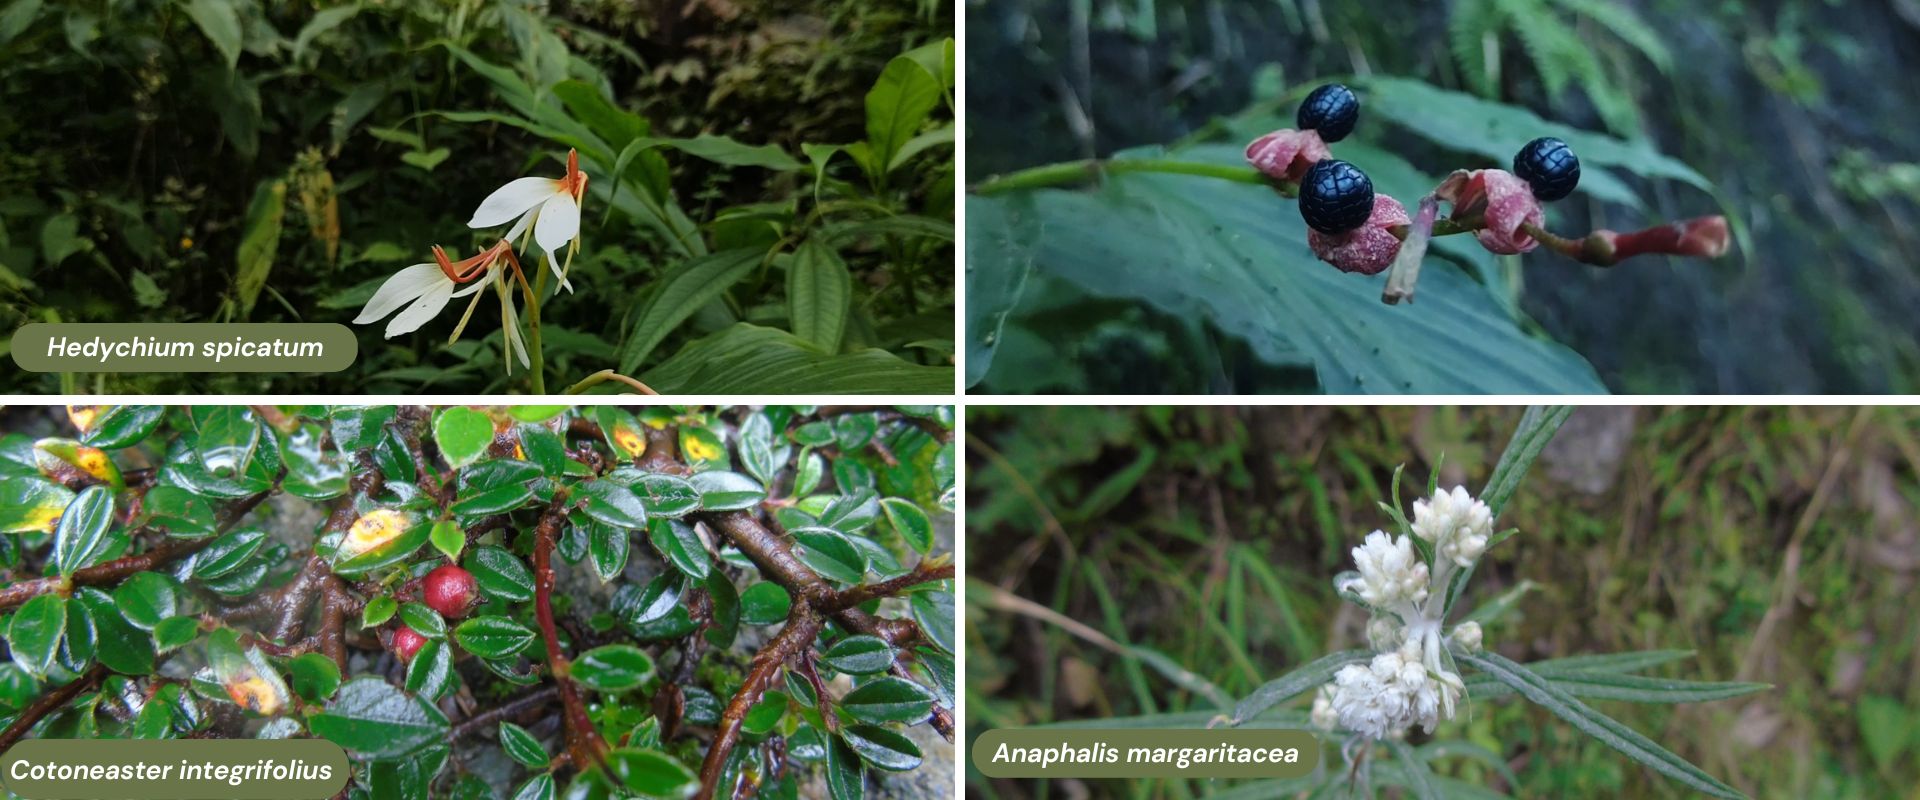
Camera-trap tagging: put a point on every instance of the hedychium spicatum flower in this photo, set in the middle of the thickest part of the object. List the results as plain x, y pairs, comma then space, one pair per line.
1411, 679
549, 206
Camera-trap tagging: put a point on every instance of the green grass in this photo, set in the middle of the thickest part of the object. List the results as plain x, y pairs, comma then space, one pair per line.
1210, 535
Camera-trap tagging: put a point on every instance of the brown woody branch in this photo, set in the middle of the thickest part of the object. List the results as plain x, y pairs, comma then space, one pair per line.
803, 625
584, 743
47, 703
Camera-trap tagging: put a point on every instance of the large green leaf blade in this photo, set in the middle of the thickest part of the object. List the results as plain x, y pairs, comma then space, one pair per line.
819, 295
683, 291
1600, 726
751, 359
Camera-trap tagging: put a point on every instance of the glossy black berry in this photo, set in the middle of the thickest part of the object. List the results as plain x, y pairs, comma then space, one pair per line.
1332, 110
1549, 166
1335, 197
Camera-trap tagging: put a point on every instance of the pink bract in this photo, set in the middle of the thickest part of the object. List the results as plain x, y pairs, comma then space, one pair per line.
1509, 202
1369, 248
1286, 154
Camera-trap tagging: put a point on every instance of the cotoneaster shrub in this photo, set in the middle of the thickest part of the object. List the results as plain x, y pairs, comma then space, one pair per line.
491, 602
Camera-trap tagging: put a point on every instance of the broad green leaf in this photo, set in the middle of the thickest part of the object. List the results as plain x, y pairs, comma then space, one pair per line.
910, 522
430, 673
680, 544
117, 643
500, 574
81, 537
447, 538
392, 548
259, 242
828, 552
463, 435
147, 598
765, 714
897, 105
934, 612
651, 772
888, 700
727, 491
753, 359
819, 295
34, 634
1306, 677
538, 787
496, 500
859, 655
613, 668
323, 20
1885, 726
227, 554
179, 512
378, 611
846, 773
608, 548
666, 495
493, 636
544, 447
119, 427
717, 149
423, 620
1600, 726
372, 718
32, 505
677, 295
220, 21
764, 603
521, 746
1235, 255
228, 437
883, 748
315, 676
612, 504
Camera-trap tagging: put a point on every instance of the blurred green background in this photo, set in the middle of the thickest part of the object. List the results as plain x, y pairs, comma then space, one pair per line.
1786, 106
1781, 544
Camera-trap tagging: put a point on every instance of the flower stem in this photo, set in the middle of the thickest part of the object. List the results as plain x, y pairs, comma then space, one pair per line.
1074, 173
533, 326
609, 375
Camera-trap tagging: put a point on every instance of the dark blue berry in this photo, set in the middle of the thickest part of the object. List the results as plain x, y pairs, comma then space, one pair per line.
1332, 110
1549, 166
1335, 197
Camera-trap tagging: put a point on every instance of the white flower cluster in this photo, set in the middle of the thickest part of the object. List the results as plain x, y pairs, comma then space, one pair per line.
1408, 681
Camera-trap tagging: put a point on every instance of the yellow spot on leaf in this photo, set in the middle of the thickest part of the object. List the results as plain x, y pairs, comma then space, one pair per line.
373, 529
255, 694
96, 463
699, 449
630, 441
658, 424
43, 519
83, 416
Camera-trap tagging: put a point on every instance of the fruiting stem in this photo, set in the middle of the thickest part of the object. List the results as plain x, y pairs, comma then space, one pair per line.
1075, 173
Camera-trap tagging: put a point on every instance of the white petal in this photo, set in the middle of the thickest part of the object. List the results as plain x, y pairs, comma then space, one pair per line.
559, 222
423, 309
403, 287
510, 200
521, 225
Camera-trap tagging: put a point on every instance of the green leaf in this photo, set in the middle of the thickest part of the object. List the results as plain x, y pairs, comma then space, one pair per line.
819, 295
323, 21
448, 539
32, 505
846, 773
259, 242
228, 437
426, 160
378, 611
764, 603
119, 427
463, 435
755, 445
315, 676
727, 491
609, 548
81, 537
496, 500
521, 746
612, 504
545, 448
1303, 678
1598, 725
934, 612
500, 574
1245, 267
888, 700
859, 655
34, 635
147, 598
1536, 429
1885, 727
680, 544
221, 24
1630, 688
752, 359
651, 772
179, 512
493, 636
423, 620
117, 643
227, 554
828, 552
681, 292
393, 551
897, 105
538, 787
910, 522
430, 673
719, 150
765, 714
174, 632
372, 718
883, 748
613, 668
666, 495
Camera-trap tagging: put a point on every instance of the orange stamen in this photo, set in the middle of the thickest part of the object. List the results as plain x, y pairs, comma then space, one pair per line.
575, 183
471, 268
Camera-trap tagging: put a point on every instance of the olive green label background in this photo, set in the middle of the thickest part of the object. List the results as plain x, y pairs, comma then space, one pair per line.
308, 755
1117, 752
203, 346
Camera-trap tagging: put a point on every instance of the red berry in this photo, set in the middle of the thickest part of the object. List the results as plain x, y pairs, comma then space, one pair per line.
406, 642
452, 591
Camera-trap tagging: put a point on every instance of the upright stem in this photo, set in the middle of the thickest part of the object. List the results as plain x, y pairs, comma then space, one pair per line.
533, 325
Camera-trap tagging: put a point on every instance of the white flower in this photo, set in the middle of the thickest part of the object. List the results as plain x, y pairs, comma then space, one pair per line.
1323, 716
1456, 523
1468, 636
1390, 572
1387, 696
430, 286
550, 205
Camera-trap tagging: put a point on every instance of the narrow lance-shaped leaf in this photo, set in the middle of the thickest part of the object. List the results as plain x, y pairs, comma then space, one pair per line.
1286, 687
